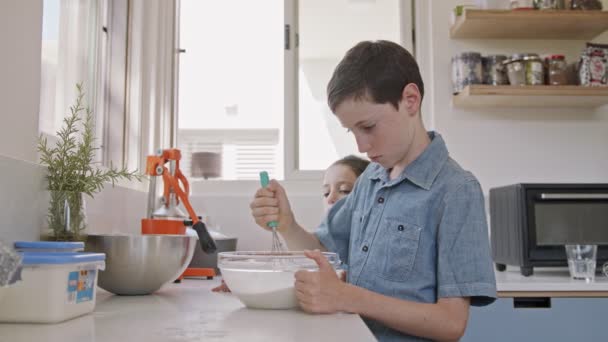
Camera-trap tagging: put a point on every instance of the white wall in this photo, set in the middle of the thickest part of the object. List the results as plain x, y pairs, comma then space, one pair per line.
21, 184
503, 146
20, 37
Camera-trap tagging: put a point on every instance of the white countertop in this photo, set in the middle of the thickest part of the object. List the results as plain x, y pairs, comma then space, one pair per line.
189, 312
548, 279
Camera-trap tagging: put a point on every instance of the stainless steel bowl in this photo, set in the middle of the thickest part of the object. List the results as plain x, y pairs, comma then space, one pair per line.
141, 264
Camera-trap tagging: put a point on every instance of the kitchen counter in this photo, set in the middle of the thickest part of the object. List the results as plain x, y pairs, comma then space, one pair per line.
548, 282
189, 312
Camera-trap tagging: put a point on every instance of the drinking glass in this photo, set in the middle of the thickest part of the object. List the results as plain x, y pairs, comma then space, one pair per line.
581, 261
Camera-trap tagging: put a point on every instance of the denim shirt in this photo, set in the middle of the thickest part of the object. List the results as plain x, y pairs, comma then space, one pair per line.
419, 237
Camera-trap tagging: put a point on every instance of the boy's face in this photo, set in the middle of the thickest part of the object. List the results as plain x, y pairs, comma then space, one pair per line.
384, 133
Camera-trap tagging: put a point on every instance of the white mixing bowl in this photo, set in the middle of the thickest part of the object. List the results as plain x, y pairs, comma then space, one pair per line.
265, 280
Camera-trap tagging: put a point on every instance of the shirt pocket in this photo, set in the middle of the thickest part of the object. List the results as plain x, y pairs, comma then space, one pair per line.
397, 250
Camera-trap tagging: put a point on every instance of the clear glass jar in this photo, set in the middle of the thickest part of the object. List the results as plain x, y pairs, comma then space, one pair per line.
557, 70
516, 70
67, 217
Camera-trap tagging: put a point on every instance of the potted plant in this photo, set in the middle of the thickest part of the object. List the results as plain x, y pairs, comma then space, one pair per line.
72, 173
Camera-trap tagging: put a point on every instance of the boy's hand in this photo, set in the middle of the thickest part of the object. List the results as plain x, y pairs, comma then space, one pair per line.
271, 204
319, 291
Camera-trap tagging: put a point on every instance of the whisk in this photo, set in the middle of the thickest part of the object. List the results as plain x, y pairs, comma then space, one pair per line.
277, 245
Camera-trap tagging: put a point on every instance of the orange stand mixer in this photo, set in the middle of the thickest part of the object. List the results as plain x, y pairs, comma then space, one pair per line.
168, 218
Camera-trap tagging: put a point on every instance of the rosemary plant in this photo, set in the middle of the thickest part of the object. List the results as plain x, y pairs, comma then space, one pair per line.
71, 171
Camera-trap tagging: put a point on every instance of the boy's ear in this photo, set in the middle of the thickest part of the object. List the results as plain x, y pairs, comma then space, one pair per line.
410, 98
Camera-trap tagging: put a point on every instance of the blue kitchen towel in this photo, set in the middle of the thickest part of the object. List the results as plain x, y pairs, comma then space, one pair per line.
10, 265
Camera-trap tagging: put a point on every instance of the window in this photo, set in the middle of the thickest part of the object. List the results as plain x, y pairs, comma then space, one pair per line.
327, 29
259, 100
231, 89
86, 42
249, 83
69, 55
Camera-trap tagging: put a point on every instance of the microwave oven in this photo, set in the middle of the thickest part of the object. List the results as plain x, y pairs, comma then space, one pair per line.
531, 223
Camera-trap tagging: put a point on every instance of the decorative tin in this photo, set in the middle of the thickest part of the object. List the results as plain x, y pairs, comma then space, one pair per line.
466, 69
594, 65
493, 70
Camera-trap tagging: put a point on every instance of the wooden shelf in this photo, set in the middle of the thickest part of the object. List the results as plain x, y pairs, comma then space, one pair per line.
570, 96
530, 24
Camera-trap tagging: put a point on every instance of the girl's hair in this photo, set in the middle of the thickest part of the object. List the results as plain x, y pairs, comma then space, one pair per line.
355, 163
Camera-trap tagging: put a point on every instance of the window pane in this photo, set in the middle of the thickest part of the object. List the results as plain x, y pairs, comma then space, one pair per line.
68, 56
231, 85
50, 37
327, 30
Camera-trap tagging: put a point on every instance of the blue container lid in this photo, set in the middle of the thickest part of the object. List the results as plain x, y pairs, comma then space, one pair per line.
56, 258
46, 245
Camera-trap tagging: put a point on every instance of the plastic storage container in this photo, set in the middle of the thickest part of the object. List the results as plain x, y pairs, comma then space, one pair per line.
48, 246
54, 287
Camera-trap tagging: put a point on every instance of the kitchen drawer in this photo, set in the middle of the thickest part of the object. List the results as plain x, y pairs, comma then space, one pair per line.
567, 319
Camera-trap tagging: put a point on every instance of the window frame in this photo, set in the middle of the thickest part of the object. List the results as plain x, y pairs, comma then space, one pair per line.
133, 147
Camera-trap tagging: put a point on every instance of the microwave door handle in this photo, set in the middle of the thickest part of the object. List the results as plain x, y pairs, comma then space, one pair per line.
572, 196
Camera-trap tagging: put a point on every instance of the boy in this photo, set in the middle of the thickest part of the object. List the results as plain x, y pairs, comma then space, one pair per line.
413, 230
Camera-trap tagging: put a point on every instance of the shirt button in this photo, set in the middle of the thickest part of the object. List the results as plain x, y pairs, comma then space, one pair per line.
380, 199
400, 228
365, 248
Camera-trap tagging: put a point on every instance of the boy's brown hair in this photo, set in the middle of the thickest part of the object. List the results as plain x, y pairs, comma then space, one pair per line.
376, 69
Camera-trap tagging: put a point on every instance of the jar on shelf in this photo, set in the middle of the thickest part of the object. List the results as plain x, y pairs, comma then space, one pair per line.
516, 69
466, 69
549, 4
522, 4
535, 73
493, 70
586, 5
557, 70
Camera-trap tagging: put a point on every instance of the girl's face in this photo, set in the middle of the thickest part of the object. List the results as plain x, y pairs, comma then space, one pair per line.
338, 182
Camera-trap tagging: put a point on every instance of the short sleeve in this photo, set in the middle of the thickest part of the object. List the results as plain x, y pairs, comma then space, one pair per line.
464, 265
334, 230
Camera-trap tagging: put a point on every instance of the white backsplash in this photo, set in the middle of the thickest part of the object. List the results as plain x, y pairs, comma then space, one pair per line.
23, 201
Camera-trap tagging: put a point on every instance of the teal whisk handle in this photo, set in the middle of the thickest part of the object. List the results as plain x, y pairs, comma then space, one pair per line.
264, 180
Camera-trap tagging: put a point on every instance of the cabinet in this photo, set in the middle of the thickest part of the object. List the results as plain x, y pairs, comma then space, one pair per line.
504, 24
567, 319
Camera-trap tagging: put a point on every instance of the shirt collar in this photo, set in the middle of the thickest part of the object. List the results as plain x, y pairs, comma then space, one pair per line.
423, 170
